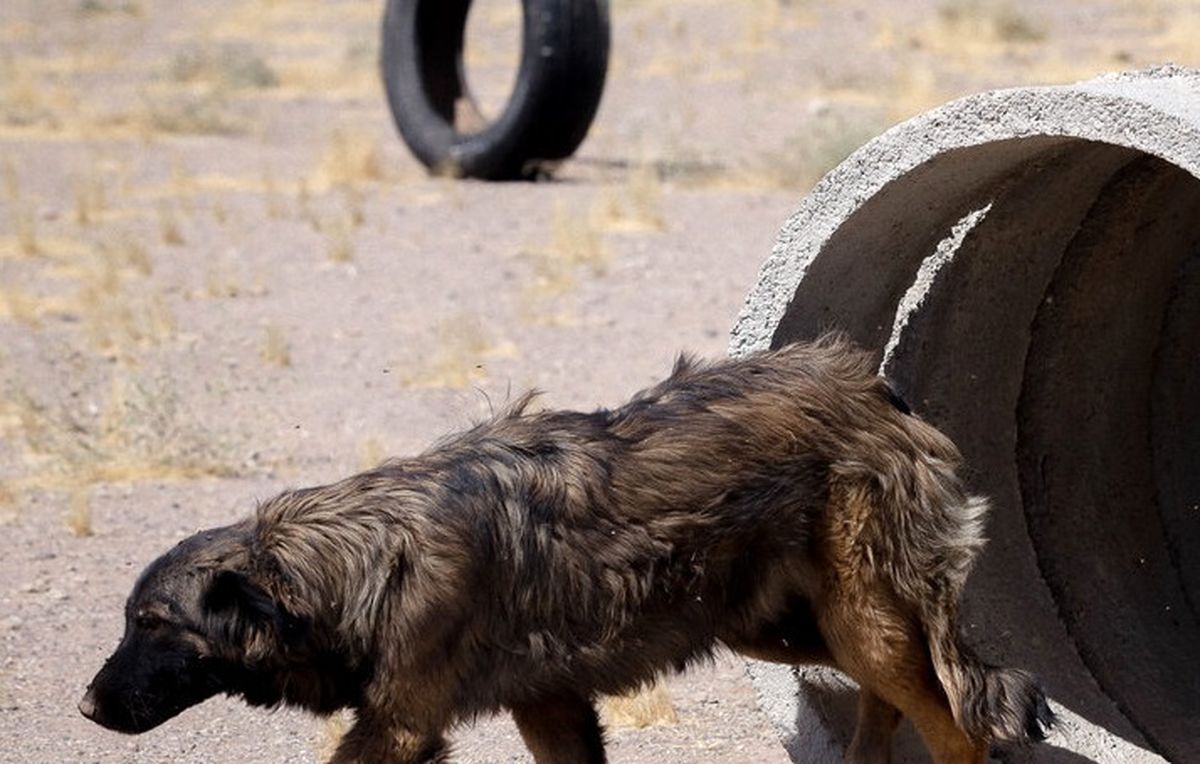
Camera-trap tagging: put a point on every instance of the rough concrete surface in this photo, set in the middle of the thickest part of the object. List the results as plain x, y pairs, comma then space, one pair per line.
1025, 261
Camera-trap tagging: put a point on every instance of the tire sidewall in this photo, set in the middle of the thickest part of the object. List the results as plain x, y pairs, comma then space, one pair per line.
564, 53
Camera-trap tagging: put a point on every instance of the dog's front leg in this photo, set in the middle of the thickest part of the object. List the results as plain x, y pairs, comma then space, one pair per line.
376, 741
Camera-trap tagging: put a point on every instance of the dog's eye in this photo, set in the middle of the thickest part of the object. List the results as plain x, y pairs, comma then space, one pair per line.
148, 621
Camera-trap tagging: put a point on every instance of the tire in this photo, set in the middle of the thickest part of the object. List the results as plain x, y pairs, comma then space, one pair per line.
564, 59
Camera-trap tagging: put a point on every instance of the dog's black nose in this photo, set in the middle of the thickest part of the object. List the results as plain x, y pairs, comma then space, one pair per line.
87, 706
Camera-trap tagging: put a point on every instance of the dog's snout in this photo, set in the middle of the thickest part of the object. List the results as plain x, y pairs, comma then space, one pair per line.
87, 706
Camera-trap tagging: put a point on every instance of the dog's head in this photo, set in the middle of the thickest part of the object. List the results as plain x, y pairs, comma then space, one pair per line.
195, 625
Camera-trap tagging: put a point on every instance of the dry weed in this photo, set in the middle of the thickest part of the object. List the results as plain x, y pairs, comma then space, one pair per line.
219, 212
304, 205
18, 305
221, 283
8, 503
117, 317
12, 181
168, 224
122, 251
650, 707
183, 184
191, 112
333, 729
100, 8
275, 349
141, 432
274, 199
822, 144
458, 358
79, 513
339, 239
89, 195
575, 243
996, 20
28, 101
25, 225
371, 453
24, 221
231, 65
761, 18
637, 206
351, 157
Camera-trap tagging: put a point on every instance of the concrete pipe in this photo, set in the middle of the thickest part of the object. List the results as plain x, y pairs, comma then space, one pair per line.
1027, 263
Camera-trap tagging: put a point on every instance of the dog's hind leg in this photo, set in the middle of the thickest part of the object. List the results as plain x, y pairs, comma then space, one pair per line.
877, 720
795, 638
561, 730
885, 652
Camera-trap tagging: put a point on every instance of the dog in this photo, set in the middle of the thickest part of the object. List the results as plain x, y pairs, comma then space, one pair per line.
787, 505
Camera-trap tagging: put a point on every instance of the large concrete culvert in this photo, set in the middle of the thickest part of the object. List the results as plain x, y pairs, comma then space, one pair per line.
1027, 263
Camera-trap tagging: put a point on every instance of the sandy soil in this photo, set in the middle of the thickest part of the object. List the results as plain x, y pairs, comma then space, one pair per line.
221, 274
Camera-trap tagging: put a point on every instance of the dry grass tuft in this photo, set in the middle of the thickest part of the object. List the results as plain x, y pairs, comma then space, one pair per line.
575, 243
339, 239
8, 503
24, 221
636, 207
220, 212
221, 283
275, 349
304, 205
141, 432
191, 112
352, 157
89, 195
821, 144
168, 224
20, 306
118, 316
276, 204
79, 513
650, 707
232, 65
371, 453
183, 184
458, 358
12, 181
25, 100
25, 225
995, 20
333, 729
121, 251
353, 200
102, 8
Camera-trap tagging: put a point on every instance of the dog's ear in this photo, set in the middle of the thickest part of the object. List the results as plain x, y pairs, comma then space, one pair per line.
231, 591
246, 608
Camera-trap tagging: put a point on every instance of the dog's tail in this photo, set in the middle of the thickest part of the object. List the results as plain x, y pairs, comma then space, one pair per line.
945, 526
988, 702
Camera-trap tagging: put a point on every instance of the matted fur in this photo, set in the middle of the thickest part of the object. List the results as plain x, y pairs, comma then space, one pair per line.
785, 504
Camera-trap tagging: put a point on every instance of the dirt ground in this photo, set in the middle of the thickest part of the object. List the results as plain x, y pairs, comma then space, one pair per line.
221, 274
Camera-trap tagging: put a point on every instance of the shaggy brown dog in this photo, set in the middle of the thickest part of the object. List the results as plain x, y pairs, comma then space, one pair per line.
786, 505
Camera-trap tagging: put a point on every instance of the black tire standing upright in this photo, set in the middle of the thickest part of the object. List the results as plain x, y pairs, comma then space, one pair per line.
564, 59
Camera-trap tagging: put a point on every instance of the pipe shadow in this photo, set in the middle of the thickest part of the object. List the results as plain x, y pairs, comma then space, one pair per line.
834, 700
